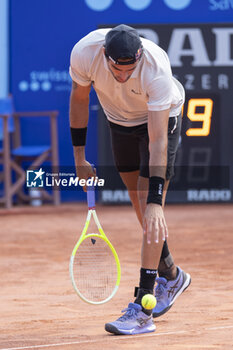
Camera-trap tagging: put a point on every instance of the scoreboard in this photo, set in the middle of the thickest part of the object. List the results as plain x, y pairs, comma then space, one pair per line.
201, 57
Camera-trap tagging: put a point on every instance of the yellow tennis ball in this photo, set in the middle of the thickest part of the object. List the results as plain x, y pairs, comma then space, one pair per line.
148, 301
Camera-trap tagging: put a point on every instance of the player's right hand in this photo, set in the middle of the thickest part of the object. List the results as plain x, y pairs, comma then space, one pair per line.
84, 170
154, 223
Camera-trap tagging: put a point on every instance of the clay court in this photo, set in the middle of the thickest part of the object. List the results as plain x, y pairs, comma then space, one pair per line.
40, 310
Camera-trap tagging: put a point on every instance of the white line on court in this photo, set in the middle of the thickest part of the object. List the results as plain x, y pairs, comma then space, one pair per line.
113, 338
213, 328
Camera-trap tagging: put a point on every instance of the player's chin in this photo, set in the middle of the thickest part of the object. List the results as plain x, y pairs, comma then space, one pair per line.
121, 81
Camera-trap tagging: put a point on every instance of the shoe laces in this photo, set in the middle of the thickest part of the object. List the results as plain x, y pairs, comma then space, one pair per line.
130, 312
161, 286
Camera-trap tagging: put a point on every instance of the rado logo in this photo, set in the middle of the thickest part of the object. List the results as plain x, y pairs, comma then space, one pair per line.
197, 50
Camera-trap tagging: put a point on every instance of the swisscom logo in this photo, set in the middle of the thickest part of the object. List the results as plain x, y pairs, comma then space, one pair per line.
45, 81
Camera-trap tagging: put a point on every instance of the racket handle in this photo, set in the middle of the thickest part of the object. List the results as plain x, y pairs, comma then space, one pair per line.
91, 194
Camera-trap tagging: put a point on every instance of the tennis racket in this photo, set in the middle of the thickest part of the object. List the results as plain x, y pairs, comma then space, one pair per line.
95, 269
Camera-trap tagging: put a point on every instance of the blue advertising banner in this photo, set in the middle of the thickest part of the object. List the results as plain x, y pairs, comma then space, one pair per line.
42, 34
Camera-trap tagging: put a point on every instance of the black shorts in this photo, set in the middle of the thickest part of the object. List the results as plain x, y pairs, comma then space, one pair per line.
130, 146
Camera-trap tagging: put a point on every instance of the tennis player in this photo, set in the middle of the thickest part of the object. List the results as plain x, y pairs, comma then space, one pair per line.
142, 101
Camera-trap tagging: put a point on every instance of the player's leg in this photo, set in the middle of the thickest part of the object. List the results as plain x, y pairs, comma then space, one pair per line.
167, 267
125, 150
127, 158
138, 200
134, 320
148, 258
130, 179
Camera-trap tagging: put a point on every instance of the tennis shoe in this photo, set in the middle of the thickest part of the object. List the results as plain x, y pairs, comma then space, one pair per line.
166, 292
134, 321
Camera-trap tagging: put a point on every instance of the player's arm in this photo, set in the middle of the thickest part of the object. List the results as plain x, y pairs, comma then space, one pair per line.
79, 115
154, 221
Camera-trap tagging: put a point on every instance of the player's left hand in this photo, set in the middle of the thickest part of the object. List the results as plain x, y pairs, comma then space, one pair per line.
154, 223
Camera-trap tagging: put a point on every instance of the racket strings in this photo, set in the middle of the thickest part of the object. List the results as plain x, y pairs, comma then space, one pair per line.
95, 269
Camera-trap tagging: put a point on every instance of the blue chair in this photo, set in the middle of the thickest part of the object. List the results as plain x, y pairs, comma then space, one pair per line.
13, 154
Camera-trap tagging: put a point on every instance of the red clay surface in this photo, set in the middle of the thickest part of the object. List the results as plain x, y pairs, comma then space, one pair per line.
40, 310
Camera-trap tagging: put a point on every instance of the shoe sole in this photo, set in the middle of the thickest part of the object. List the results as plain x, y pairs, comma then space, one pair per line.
112, 329
182, 289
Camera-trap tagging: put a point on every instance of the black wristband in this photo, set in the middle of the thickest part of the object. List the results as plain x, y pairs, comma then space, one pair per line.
78, 136
155, 193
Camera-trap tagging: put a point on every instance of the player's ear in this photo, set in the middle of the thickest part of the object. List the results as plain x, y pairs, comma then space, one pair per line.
103, 48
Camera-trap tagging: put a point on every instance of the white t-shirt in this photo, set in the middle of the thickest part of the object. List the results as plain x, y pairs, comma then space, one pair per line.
150, 87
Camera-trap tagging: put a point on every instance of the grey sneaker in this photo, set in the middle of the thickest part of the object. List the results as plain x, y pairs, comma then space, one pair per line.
166, 292
134, 321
